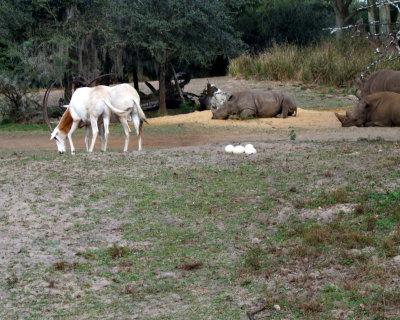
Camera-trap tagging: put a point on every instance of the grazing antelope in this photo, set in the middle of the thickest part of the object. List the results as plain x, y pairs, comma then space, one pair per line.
94, 105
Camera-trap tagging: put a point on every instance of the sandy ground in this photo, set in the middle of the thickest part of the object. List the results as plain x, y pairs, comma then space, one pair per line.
308, 125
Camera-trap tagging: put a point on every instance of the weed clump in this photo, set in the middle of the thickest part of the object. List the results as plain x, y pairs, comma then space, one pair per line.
117, 252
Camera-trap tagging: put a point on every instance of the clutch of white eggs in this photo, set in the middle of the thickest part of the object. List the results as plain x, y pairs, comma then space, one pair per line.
248, 149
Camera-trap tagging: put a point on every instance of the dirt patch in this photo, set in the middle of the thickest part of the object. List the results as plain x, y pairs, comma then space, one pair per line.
306, 119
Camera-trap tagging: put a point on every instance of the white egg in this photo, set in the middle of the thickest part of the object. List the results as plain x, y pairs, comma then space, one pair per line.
229, 148
238, 150
250, 151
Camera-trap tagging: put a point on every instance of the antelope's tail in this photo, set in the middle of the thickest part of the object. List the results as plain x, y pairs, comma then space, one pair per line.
115, 110
141, 114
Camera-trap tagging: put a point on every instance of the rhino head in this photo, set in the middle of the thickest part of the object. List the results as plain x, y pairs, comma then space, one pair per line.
357, 117
228, 108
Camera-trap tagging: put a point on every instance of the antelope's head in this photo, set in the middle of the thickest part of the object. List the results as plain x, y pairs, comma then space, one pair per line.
60, 139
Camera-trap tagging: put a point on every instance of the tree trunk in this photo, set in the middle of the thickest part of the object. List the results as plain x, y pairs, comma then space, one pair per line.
161, 90
341, 9
178, 88
384, 19
339, 24
371, 17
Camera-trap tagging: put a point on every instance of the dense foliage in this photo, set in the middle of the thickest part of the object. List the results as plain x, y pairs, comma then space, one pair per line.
285, 21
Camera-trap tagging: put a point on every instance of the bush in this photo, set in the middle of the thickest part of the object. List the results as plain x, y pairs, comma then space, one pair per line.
16, 103
332, 62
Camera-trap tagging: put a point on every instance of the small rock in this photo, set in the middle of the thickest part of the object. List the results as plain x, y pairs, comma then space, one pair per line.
175, 297
255, 241
168, 274
368, 250
374, 260
277, 307
355, 252
396, 260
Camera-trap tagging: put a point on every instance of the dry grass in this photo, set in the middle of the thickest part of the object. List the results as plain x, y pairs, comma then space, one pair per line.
331, 63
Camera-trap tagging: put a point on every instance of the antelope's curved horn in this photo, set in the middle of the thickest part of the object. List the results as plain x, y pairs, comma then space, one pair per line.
99, 77
45, 99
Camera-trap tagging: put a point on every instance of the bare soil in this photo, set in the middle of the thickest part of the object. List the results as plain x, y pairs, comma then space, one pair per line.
313, 122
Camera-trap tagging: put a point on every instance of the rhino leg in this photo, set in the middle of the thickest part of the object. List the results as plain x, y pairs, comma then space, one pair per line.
375, 124
234, 117
284, 113
247, 114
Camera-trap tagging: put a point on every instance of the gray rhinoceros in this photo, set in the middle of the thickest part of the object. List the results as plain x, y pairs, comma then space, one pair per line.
381, 109
379, 81
256, 104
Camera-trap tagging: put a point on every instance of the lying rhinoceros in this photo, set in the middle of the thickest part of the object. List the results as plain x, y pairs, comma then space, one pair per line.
256, 104
379, 81
381, 109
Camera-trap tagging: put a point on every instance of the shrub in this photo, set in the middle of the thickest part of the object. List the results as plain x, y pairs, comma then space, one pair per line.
332, 62
16, 104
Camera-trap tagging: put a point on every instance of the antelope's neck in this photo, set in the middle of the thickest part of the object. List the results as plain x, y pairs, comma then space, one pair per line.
66, 122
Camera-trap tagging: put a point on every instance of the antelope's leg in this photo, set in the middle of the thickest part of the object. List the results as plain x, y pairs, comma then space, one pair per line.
137, 123
140, 136
106, 123
101, 133
75, 124
95, 130
125, 125
87, 138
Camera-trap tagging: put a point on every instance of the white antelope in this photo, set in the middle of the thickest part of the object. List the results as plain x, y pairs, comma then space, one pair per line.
94, 105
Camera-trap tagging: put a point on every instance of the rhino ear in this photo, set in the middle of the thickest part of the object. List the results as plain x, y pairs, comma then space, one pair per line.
367, 102
363, 103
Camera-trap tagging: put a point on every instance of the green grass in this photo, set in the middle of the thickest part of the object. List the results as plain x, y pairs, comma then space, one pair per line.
22, 127
203, 234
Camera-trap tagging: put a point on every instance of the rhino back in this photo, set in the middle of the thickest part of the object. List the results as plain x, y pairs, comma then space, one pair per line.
384, 108
268, 103
383, 80
243, 100
392, 82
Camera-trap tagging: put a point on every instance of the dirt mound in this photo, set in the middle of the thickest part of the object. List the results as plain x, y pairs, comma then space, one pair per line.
306, 119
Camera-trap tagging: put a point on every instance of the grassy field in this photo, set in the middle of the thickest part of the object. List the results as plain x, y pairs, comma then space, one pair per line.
311, 227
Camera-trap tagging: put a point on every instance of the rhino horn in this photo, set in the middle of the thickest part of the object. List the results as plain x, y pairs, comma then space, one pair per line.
340, 117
